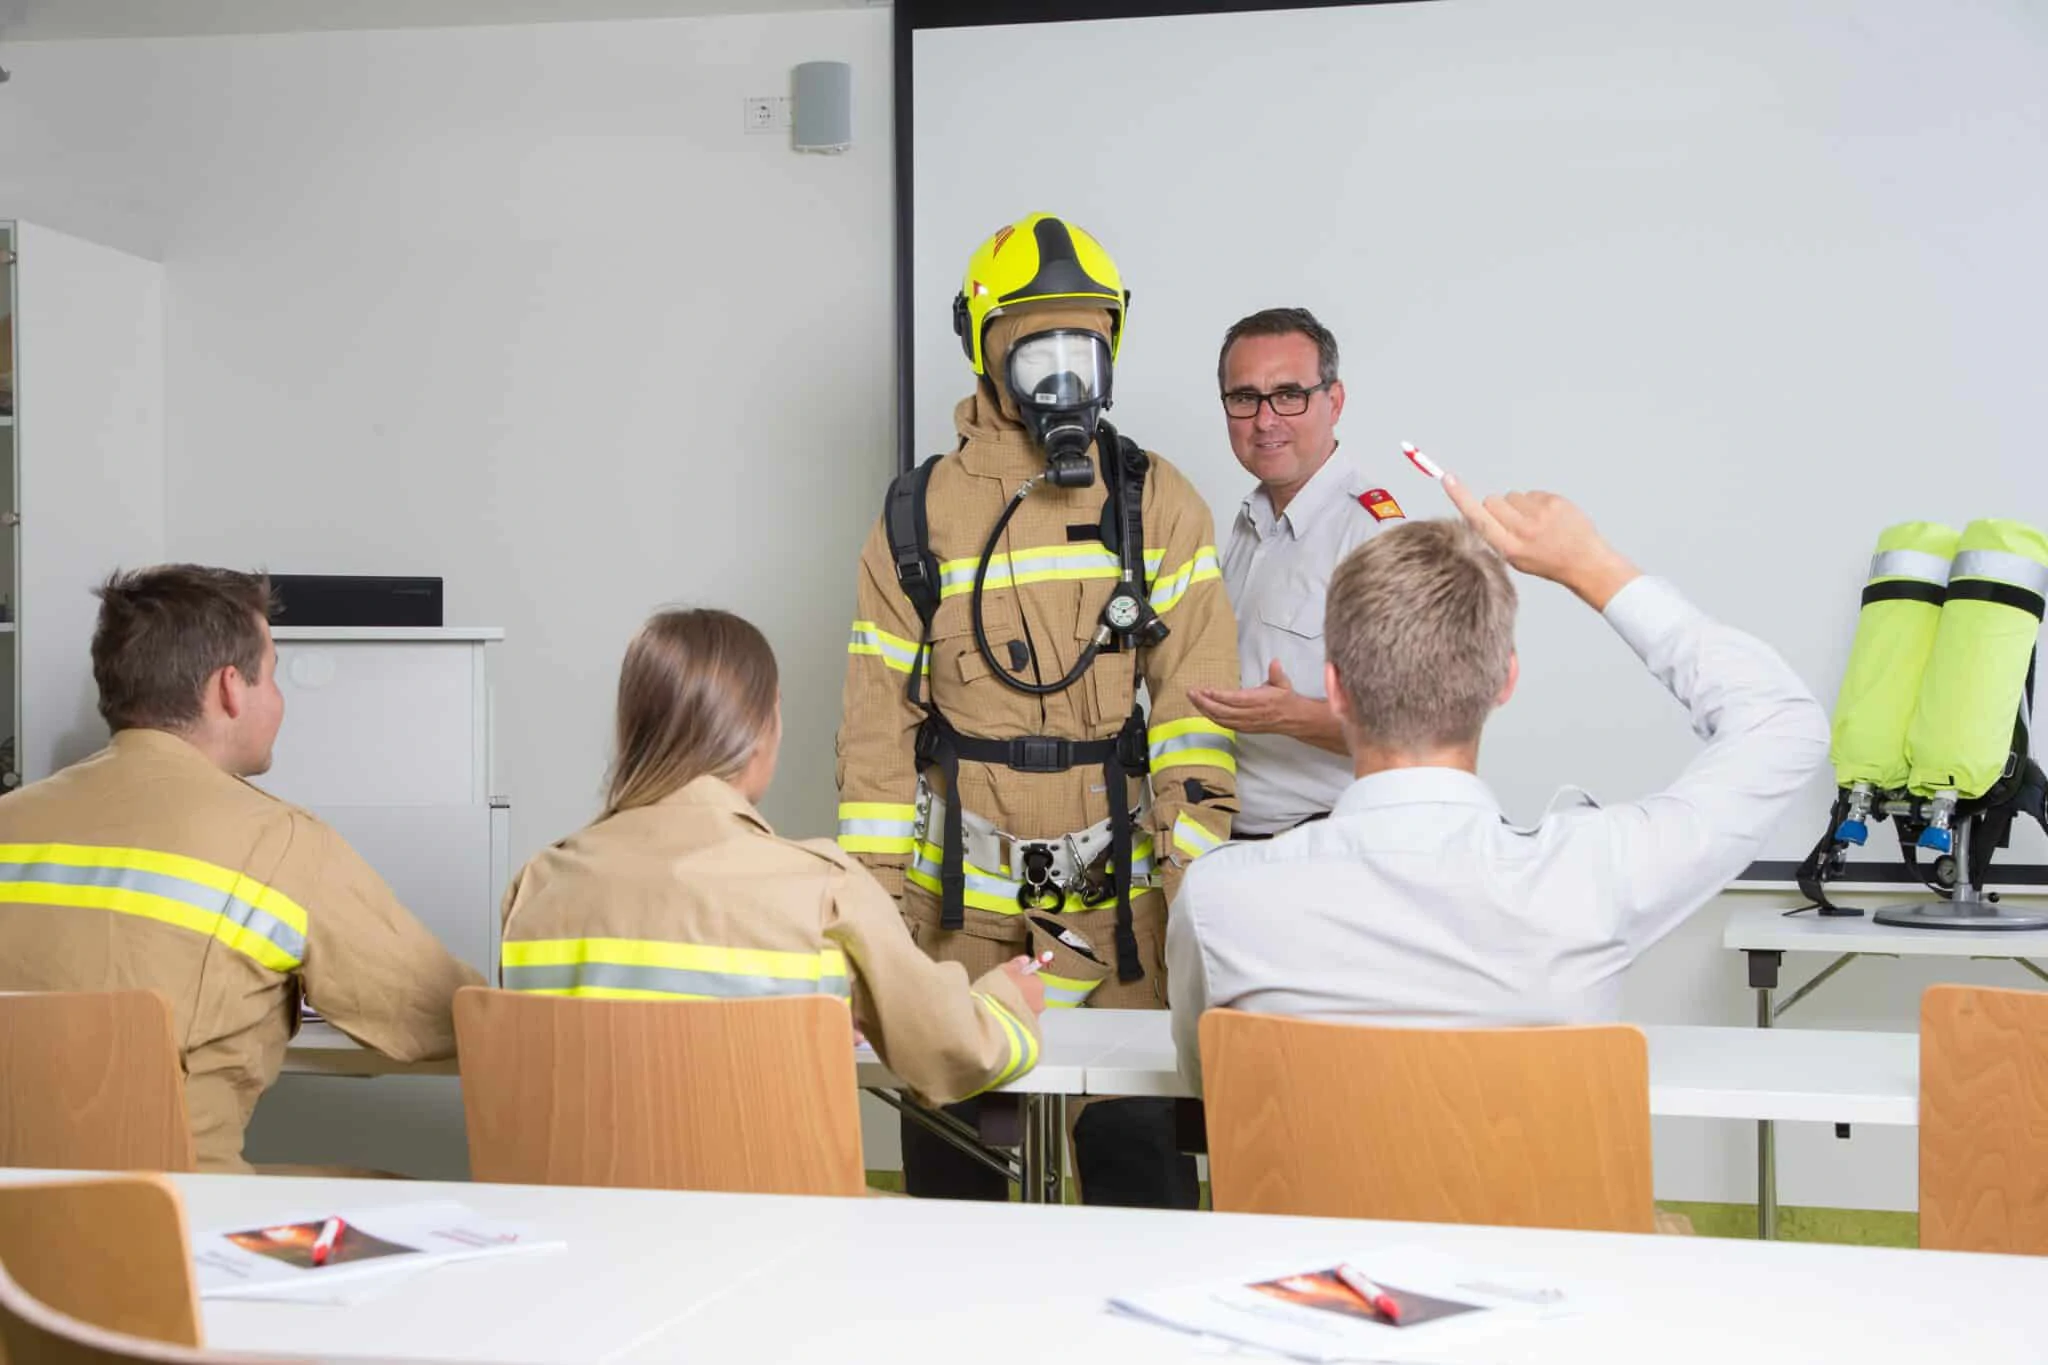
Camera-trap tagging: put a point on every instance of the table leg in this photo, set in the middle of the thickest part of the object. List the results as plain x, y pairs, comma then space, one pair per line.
1763, 977
1037, 1157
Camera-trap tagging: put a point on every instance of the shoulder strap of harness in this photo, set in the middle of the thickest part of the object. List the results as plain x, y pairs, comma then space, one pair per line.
917, 569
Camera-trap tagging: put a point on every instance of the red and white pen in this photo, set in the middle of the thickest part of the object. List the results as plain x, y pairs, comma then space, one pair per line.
1423, 462
323, 1245
1042, 960
1378, 1299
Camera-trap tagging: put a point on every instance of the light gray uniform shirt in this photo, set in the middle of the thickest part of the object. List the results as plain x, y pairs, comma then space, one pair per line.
1277, 570
1417, 904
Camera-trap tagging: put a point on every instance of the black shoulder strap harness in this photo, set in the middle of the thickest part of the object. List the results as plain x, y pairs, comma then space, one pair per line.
1121, 757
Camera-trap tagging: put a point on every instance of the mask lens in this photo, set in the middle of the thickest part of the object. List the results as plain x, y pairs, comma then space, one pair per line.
1060, 370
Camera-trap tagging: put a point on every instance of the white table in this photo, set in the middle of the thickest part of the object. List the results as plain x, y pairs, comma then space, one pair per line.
1765, 933
663, 1276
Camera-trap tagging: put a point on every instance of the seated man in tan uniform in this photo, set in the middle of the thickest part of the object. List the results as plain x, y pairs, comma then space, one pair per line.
153, 865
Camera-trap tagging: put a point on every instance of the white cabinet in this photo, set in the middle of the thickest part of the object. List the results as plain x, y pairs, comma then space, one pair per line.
387, 737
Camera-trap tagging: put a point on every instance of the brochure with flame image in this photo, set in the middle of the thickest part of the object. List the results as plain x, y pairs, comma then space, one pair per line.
297, 1254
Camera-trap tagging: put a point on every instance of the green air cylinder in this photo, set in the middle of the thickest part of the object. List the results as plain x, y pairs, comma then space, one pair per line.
1894, 635
1971, 691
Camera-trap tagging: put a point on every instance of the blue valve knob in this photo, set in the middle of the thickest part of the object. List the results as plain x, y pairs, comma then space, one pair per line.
1936, 840
1852, 832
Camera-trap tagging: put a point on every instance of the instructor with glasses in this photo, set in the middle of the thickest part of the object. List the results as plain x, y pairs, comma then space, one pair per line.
1281, 400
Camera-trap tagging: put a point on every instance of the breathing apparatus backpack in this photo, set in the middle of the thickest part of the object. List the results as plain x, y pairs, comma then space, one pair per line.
1932, 722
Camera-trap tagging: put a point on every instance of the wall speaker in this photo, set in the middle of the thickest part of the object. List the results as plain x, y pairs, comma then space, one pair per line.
824, 107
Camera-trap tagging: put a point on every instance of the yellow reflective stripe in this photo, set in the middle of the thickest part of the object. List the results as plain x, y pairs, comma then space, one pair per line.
1023, 1046
241, 913
1168, 591
1192, 742
623, 968
877, 827
1191, 837
1046, 564
244, 888
1065, 992
893, 650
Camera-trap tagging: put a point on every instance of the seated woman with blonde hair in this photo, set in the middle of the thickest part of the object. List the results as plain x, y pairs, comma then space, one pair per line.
680, 888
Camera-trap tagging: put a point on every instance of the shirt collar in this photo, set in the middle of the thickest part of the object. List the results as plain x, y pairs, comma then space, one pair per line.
1325, 488
714, 794
1416, 787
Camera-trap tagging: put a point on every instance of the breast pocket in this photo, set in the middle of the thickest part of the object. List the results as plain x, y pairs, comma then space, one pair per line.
957, 661
1291, 631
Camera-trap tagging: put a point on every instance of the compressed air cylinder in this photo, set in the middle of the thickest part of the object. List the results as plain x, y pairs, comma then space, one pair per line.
1970, 693
1894, 636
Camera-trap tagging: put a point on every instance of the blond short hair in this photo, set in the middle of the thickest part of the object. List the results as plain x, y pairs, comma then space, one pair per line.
1420, 624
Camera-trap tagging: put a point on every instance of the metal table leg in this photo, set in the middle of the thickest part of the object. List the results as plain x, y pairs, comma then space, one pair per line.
1763, 977
1032, 1153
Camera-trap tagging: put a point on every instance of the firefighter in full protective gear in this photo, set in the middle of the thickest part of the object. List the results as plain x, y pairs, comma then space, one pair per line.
998, 766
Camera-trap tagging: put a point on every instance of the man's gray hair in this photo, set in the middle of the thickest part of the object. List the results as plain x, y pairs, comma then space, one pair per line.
1420, 623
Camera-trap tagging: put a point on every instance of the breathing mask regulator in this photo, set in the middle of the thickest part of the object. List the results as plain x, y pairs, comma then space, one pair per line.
1060, 380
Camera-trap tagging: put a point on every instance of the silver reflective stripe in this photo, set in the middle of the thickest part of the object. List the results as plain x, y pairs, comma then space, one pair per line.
1917, 564
877, 829
199, 896
896, 655
959, 576
927, 861
666, 981
1066, 997
2001, 567
1200, 739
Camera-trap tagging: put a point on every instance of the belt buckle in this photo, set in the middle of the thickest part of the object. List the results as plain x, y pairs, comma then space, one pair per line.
1039, 883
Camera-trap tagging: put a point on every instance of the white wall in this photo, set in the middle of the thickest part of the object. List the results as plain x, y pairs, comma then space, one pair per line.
1750, 280
89, 398
522, 307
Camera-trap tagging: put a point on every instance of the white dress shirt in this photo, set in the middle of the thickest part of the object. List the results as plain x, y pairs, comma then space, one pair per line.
1417, 904
1277, 570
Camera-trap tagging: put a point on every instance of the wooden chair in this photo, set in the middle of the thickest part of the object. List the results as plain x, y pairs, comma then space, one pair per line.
753, 1096
92, 1080
32, 1333
1536, 1127
108, 1253
1984, 1120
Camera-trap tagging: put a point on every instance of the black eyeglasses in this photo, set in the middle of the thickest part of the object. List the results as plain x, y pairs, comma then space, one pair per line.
1286, 402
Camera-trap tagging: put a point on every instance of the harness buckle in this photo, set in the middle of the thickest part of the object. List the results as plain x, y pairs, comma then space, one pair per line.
1040, 754
1040, 885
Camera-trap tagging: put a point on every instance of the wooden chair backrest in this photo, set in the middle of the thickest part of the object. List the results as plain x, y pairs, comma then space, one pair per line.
753, 1096
1984, 1120
110, 1252
1527, 1127
92, 1080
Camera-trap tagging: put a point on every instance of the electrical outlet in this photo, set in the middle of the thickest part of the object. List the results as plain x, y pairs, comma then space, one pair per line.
766, 114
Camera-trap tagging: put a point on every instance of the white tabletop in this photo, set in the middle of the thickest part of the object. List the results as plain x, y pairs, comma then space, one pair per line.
1769, 927
1696, 1071
650, 1275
